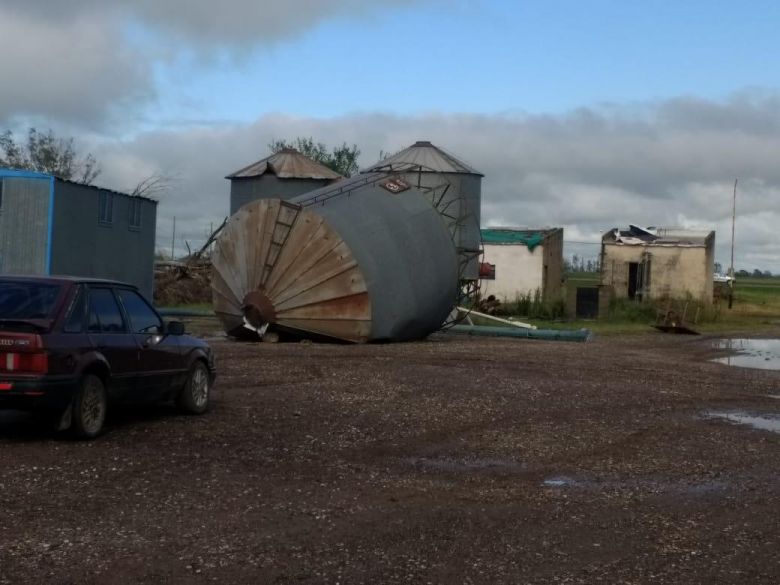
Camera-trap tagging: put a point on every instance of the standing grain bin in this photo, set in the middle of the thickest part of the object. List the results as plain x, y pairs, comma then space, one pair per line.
366, 259
283, 175
453, 187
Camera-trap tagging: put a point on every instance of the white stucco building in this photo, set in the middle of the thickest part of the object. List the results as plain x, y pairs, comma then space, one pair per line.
518, 262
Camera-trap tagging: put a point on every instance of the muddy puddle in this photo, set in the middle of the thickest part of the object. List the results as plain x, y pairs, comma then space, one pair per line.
648, 484
762, 354
564, 481
763, 422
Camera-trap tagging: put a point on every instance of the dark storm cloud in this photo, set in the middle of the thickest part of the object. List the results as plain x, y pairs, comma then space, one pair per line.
78, 61
202, 21
590, 170
73, 70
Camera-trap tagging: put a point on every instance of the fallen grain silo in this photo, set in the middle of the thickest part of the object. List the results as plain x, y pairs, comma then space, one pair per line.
283, 175
453, 187
366, 259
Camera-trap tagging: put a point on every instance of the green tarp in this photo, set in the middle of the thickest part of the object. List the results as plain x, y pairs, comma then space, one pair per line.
530, 239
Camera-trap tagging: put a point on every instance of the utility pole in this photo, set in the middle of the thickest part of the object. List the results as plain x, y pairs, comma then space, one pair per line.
173, 240
733, 223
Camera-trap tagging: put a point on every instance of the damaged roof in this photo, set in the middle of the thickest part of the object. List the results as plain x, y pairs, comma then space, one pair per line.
657, 236
428, 156
288, 163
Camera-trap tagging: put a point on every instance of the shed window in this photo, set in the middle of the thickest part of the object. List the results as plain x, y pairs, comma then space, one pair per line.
135, 213
106, 207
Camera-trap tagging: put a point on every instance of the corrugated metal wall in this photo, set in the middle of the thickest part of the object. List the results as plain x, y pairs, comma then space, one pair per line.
83, 246
267, 186
24, 225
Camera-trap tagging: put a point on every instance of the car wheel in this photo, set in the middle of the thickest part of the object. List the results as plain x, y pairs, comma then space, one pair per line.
194, 396
89, 408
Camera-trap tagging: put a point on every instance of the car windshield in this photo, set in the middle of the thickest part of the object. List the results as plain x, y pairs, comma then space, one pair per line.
27, 300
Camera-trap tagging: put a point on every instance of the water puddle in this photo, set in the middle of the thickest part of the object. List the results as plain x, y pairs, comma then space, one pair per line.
762, 354
451, 464
562, 481
763, 422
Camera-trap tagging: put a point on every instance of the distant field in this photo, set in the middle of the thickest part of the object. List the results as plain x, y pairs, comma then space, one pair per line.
760, 291
582, 278
756, 307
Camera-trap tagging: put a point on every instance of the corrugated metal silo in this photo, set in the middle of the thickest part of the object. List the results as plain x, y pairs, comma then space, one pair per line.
283, 175
366, 259
453, 187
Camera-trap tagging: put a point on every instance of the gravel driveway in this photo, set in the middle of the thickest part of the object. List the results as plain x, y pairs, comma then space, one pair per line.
454, 460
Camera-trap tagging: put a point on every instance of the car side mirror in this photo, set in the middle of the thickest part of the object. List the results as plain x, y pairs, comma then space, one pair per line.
174, 328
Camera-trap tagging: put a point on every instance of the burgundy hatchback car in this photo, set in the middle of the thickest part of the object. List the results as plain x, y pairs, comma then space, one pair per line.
74, 346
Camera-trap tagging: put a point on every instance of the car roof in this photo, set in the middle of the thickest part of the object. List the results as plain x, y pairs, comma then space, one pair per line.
61, 279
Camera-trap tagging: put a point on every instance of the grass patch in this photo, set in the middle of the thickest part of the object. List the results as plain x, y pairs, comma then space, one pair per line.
755, 309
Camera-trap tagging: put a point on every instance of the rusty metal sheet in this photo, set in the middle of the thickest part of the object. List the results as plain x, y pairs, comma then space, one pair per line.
340, 282
288, 263
313, 250
336, 262
288, 163
353, 307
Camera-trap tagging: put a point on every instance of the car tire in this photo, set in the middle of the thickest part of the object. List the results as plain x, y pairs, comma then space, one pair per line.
194, 396
89, 408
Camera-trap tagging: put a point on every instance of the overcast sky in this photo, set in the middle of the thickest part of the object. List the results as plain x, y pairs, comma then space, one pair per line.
586, 115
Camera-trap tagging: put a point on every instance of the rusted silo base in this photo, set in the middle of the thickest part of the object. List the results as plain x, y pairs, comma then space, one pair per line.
280, 265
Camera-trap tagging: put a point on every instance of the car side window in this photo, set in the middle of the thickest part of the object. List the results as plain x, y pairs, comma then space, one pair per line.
142, 317
104, 313
75, 321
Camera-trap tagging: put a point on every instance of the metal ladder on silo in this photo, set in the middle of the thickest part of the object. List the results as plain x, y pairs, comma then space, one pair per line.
279, 236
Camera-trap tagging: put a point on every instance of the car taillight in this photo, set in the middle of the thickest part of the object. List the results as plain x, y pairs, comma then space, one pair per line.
22, 353
24, 363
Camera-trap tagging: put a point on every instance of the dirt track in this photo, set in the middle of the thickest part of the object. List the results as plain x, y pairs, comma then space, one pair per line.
455, 460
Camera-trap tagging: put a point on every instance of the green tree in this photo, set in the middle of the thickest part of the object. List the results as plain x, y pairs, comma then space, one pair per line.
342, 159
44, 152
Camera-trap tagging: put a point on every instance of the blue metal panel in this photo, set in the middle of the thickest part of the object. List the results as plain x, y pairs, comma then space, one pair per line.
23, 174
50, 230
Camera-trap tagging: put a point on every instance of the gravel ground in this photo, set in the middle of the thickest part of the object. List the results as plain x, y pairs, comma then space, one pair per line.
454, 460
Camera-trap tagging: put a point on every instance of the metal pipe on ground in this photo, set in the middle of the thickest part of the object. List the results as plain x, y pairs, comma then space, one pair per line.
548, 334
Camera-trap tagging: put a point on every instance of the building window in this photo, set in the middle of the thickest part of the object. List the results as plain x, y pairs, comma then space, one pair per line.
106, 207
135, 213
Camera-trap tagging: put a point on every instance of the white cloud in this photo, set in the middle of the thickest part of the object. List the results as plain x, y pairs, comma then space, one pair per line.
590, 170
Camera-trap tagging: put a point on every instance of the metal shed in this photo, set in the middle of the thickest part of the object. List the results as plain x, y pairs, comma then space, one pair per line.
52, 226
283, 175
366, 259
453, 187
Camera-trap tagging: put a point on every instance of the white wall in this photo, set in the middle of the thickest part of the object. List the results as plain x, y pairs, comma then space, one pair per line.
518, 271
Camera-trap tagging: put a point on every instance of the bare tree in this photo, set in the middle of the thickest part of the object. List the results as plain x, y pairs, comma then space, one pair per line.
153, 186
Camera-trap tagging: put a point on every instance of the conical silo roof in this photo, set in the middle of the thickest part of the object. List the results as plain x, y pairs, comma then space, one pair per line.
429, 157
288, 163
